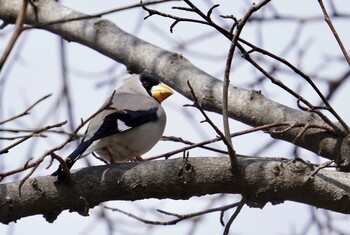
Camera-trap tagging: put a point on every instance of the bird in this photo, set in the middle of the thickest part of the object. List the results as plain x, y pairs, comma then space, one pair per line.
130, 125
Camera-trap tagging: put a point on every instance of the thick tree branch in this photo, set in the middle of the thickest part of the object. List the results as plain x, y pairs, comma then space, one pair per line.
246, 106
258, 180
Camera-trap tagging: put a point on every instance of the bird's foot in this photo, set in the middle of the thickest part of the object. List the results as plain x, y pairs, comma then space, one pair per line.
136, 158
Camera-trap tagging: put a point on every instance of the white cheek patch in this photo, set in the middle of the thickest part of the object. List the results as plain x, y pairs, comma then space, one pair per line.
122, 126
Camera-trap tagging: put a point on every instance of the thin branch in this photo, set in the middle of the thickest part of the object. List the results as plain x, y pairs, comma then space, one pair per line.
83, 123
217, 130
208, 19
234, 216
176, 19
60, 132
25, 112
65, 168
226, 81
16, 34
98, 15
181, 140
246, 55
229, 35
22, 136
318, 168
36, 163
210, 11
235, 134
35, 133
179, 217
295, 94
65, 95
330, 24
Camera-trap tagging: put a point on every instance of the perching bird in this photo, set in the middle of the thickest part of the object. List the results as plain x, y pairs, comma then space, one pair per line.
129, 127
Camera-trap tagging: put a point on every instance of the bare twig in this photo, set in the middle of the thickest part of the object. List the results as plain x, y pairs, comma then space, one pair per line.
300, 73
230, 36
86, 17
33, 130
304, 128
318, 168
330, 24
226, 82
181, 140
35, 133
65, 95
254, 48
36, 163
15, 35
217, 130
234, 216
22, 136
25, 112
296, 95
176, 19
334, 85
82, 123
64, 168
206, 17
32, 164
179, 217
259, 128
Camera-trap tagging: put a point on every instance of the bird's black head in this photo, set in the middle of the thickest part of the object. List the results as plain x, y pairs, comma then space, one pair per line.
148, 80
154, 88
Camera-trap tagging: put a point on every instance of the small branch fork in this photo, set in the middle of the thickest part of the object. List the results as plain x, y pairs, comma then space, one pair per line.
179, 217
33, 132
181, 140
226, 83
25, 112
318, 168
206, 19
34, 165
226, 140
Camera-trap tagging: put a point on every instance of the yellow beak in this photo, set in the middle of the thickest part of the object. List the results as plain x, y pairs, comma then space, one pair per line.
161, 92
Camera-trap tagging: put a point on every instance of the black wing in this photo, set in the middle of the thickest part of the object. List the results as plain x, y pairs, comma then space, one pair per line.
114, 123
124, 120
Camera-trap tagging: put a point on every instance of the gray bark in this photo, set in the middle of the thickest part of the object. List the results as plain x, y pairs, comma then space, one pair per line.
258, 180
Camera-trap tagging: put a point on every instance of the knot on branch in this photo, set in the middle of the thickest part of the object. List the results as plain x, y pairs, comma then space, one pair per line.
299, 166
186, 171
343, 160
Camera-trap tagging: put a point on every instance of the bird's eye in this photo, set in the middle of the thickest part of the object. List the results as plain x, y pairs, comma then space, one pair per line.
145, 84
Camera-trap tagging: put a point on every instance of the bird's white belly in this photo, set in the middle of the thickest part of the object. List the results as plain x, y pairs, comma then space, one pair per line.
130, 144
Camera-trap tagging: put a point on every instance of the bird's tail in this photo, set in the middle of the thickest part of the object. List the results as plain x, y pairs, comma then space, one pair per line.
72, 158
